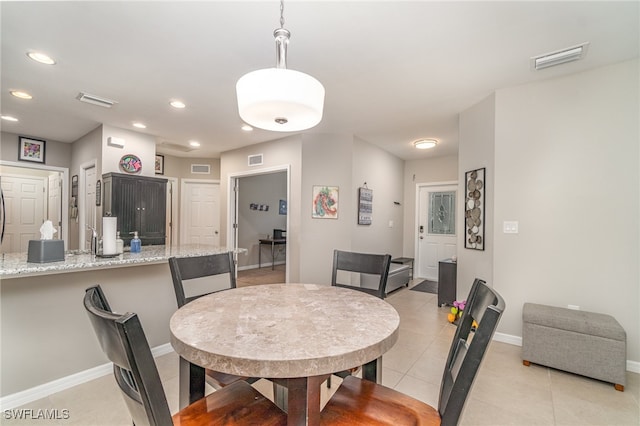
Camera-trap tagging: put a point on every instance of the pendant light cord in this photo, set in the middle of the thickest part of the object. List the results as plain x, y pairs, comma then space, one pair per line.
281, 13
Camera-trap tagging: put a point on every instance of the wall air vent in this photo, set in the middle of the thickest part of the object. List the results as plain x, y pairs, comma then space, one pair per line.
254, 160
559, 57
95, 100
201, 169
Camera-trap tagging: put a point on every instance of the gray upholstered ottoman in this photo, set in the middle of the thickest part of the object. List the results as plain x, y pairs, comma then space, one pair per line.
585, 343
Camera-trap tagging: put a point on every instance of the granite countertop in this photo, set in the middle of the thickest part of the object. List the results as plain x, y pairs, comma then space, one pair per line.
15, 265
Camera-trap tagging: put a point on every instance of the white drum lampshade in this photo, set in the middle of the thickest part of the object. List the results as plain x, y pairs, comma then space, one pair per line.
280, 99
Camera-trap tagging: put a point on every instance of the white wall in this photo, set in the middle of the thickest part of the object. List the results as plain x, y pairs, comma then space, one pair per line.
477, 138
567, 169
140, 144
383, 174
326, 161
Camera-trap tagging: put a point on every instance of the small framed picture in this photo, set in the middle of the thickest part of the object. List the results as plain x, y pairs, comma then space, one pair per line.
31, 150
159, 164
325, 202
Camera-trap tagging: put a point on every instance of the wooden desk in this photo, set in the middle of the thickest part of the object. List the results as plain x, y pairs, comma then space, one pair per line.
295, 334
273, 243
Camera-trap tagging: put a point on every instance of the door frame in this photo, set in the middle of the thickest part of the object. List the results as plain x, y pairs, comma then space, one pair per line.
65, 191
82, 220
173, 211
419, 186
232, 206
183, 202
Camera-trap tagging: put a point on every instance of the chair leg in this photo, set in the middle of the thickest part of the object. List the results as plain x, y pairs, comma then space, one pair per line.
329, 383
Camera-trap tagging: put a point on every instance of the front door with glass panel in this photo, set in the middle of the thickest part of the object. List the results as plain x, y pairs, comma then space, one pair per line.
436, 238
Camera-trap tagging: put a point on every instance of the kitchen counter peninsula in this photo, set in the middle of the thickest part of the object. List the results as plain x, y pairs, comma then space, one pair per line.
47, 339
15, 265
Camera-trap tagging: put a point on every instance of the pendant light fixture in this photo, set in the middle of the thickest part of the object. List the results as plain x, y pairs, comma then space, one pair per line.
279, 99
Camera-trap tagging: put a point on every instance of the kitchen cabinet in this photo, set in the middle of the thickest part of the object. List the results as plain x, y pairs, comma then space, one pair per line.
139, 203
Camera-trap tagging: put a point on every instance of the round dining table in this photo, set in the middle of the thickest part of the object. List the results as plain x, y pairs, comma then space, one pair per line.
294, 334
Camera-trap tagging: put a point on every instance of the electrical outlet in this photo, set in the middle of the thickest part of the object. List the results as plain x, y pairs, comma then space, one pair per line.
574, 307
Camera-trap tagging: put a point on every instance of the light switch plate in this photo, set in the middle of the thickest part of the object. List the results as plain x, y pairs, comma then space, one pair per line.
510, 227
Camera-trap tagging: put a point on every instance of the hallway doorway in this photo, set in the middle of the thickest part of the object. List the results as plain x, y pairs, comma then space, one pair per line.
258, 210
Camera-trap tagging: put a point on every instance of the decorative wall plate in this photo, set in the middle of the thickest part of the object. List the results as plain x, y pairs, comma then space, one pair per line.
130, 163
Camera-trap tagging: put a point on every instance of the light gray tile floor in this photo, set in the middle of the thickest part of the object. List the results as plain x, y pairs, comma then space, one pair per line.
505, 392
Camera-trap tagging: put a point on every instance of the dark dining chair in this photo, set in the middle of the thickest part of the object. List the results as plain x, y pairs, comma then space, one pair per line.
362, 402
190, 272
185, 269
361, 263
123, 341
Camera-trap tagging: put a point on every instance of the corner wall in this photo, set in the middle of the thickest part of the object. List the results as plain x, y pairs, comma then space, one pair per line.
477, 138
567, 166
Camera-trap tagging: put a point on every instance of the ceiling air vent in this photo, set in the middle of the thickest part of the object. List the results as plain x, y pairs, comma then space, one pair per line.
95, 100
255, 160
201, 169
559, 57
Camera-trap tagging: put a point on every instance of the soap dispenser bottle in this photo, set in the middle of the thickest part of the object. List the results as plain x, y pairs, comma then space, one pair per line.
119, 244
136, 244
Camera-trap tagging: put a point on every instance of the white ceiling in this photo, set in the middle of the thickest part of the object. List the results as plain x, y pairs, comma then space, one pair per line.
393, 71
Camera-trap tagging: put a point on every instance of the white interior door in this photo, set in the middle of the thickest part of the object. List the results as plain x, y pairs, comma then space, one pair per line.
200, 213
89, 203
436, 228
24, 211
54, 206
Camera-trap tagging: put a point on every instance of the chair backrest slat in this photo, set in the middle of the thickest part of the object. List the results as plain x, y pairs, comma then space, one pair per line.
485, 307
189, 268
364, 263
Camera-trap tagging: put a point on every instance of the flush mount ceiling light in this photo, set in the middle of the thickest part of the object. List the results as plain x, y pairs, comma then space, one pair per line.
139, 125
559, 57
9, 118
20, 94
41, 57
280, 99
194, 144
177, 104
425, 143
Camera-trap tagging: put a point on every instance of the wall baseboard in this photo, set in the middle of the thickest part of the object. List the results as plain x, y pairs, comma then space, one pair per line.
44, 390
255, 266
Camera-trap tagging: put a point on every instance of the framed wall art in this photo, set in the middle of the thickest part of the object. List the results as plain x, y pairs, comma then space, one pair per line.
365, 206
475, 187
31, 150
159, 164
325, 202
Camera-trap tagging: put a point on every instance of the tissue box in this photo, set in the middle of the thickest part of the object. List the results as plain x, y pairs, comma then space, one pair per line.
43, 251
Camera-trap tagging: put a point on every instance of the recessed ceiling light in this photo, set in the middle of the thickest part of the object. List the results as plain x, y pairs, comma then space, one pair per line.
20, 94
41, 57
139, 125
9, 118
177, 104
425, 143
194, 143
246, 128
